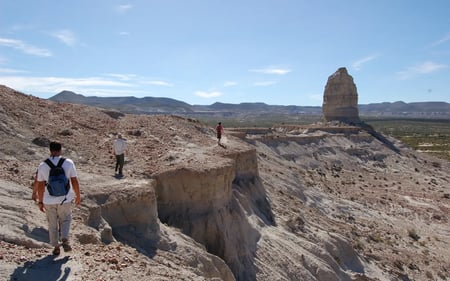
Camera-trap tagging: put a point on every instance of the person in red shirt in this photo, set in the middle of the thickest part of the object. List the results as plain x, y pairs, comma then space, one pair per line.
219, 132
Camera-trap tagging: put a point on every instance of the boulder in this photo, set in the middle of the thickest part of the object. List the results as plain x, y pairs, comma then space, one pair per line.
340, 99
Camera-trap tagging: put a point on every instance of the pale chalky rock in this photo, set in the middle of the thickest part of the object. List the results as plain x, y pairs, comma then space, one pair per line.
340, 99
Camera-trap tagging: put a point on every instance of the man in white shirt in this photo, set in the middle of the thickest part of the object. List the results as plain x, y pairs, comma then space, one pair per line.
119, 148
58, 208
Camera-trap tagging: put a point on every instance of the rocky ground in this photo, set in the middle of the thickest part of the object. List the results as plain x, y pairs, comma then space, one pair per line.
368, 208
394, 207
27, 124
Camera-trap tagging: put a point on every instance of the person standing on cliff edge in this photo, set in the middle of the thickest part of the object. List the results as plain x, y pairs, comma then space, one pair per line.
119, 148
219, 132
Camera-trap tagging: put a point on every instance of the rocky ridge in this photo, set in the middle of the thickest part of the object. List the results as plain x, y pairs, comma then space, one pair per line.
324, 202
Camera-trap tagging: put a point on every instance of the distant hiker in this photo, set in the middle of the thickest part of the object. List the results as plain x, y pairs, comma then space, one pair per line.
219, 132
55, 198
119, 148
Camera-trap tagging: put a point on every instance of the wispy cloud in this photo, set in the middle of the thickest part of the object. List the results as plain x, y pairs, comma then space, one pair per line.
124, 33
229, 84
24, 47
124, 8
109, 92
158, 83
20, 27
65, 36
139, 79
272, 70
53, 85
10, 70
123, 77
357, 65
424, 68
315, 97
441, 41
211, 94
264, 83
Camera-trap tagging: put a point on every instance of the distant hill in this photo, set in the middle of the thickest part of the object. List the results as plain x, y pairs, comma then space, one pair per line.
402, 108
147, 105
154, 105
258, 107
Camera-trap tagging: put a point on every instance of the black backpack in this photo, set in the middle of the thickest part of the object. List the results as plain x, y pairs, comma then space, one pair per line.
58, 183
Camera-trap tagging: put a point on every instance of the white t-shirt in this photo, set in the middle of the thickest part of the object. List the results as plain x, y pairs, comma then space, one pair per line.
120, 145
70, 171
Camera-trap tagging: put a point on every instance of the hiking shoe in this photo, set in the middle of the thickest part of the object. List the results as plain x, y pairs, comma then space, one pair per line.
66, 246
56, 251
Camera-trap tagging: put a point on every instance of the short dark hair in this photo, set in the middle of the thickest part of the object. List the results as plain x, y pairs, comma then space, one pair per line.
55, 146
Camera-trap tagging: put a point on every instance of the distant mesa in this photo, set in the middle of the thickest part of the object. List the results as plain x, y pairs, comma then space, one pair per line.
340, 99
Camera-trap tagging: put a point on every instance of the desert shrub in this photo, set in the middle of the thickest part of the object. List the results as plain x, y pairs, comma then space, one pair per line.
41, 141
358, 245
136, 133
413, 234
443, 276
376, 237
66, 132
436, 164
398, 264
114, 114
296, 224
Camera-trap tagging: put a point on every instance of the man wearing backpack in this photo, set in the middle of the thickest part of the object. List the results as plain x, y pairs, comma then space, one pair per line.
57, 188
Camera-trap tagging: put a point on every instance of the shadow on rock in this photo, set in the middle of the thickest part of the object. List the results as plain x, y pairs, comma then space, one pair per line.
138, 239
37, 233
48, 268
380, 137
252, 191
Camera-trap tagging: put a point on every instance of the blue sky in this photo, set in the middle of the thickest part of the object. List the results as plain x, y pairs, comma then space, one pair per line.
233, 51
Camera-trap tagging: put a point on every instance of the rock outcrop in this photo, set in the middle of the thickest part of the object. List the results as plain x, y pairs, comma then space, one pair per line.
340, 99
209, 203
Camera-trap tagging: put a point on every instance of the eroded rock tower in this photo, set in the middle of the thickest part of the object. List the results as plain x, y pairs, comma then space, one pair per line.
340, 99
